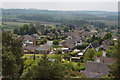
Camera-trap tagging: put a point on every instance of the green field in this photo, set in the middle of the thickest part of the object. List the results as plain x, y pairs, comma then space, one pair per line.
9, 26
15, 23
108, 22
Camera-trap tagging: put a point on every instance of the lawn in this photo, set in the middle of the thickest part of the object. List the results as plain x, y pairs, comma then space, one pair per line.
31, 55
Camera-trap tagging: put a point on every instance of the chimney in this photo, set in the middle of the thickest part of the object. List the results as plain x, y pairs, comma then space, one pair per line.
104, 53
98, 59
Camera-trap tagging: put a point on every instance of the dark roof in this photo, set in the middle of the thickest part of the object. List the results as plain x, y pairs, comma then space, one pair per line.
70, 43
91, 45
96, 70
104, 46
108, 42
95, 44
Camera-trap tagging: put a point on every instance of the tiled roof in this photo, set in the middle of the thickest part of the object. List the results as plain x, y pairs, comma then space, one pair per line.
96, 69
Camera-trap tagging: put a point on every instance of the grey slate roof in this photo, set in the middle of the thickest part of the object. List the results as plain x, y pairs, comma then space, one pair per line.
70, 43
96, 69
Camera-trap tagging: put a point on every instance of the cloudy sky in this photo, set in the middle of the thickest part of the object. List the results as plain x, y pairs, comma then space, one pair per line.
97, 5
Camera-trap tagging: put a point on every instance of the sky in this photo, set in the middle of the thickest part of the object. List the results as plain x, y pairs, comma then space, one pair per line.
71, 5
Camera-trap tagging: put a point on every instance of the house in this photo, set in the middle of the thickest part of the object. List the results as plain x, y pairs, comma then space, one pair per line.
108, 42
103, 59
114, 37
75, 33
87, 34
27, 40
44, 49
99, 67
36, 36
101, 34
94, 45
72, 43
30, 49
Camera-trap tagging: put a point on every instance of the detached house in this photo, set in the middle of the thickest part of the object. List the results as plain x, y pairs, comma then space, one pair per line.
106, 44
36, 36
72, 43
94, 45
45, 49
30, 49
28, 40
99, 67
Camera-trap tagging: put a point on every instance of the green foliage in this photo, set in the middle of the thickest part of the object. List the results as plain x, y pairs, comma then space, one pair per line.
55, 42
46, 31
58, 51
45, 69
11, 53
115, 68
15, 31
92, 39
107, 36
43, 41
111, 52
83, 46
9, 65
99, 53
28, 63
89, 55
66, 29
26, 29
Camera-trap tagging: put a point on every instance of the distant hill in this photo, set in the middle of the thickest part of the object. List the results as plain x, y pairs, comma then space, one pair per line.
57, 16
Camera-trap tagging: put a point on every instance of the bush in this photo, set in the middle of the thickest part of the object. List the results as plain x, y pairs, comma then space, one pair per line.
56, 42
43, 41
58, 51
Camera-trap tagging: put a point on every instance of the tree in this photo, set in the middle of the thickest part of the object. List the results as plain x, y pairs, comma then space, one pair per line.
15, 31
83, 46
43, 41
55, 42
33, 30
107, 36
45, 69
11, 53
115, 68
46, 31
58, 51
9, 65
89, 55
26, 29
66, 29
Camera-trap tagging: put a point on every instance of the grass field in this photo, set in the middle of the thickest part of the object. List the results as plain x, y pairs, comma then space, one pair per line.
108, 22
15, 23
9, 26
42, 22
